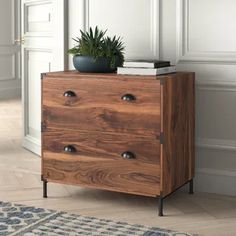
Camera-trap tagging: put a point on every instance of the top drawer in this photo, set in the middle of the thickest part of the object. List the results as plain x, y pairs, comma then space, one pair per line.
116, 105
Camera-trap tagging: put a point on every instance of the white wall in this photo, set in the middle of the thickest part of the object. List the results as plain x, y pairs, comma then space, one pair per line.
197, 35
10, 83
137, 22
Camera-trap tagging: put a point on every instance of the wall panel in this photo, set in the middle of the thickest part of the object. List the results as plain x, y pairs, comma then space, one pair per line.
9, 50
206, 30
136, 21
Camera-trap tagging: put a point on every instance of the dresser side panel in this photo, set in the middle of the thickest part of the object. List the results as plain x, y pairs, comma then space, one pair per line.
178, 130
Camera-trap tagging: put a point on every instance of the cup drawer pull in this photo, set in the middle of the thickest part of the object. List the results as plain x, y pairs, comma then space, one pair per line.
69, 94
128, 155
128, 97
69, 149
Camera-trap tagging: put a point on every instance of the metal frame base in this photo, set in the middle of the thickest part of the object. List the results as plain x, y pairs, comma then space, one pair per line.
161, 198
191, 186
160, 205
45, 187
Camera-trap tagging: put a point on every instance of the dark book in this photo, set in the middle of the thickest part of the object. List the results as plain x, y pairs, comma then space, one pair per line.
146, 63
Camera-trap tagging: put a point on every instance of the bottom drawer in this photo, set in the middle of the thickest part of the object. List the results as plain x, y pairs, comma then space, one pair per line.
116, 175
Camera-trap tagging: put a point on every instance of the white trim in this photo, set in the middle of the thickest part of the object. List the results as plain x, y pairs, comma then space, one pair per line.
209, 171
10, 85
183, 52
216, 144
32, 144
216, 85
86, 24
59, 33
12, 56
154, 19
155, 32
215, 181
11, 92
25, 95
25, 7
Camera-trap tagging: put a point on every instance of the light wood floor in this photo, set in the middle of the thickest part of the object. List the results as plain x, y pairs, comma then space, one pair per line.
201, 213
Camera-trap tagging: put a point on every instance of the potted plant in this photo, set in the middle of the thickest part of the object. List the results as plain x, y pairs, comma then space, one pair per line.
95, 52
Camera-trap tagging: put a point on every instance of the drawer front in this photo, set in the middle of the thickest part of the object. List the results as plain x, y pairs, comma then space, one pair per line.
102, 145
103, 104
103, 173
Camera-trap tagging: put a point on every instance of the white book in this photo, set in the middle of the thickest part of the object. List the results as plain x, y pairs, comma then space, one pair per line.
145, 71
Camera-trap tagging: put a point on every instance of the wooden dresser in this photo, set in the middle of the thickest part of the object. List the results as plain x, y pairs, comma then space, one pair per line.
132, 134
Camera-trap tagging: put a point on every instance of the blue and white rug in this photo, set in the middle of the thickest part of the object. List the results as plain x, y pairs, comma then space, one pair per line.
23, 220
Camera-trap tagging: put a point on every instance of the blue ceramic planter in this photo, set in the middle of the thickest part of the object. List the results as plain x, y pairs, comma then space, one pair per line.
98, 65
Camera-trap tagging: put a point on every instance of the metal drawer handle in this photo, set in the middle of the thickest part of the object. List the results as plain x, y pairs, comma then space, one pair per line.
128, 97
69, 94
128, 155
69, 149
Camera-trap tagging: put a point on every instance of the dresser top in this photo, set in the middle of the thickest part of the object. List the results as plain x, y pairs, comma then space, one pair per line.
73, 73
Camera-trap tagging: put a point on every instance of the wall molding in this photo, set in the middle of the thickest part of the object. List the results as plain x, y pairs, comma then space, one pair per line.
10, 83
14, 91
217, 172
215, 181
154, 19
26, 21
13, 57
216, 85
184, 54
216, 144
32, 144
29, 142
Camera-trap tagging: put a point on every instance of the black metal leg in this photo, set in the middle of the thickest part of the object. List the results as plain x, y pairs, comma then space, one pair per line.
191, 186
45, 192
160, 205
161, 197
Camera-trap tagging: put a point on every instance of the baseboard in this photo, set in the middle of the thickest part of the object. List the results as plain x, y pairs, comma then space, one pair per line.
32, 145
216, 181
9, 93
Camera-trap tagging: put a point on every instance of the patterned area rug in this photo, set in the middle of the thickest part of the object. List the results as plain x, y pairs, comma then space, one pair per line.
23, 220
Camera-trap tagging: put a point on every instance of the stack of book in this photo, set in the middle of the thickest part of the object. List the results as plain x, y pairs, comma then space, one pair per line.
146, 67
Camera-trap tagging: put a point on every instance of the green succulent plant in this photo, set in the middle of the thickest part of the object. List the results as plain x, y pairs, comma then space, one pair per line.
94, 43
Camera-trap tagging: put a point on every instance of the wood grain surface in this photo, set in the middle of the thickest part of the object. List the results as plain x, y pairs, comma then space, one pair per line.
98, 105
178, 129
117, 175
79, 75
102, 145
100, 125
